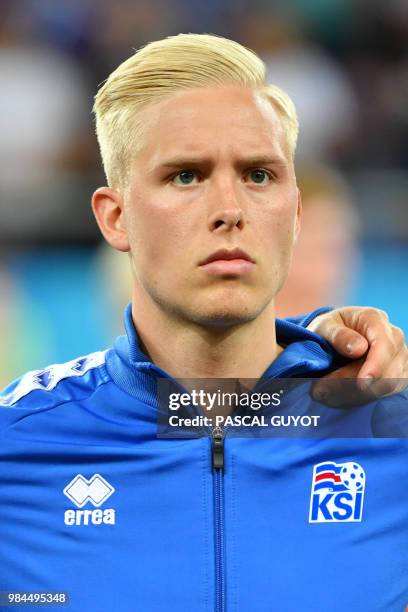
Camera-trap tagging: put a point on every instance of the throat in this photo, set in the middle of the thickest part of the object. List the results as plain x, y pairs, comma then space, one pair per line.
187, 350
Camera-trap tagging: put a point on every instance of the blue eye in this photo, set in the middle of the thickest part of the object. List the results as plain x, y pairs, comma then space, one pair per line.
259, 176
186, 177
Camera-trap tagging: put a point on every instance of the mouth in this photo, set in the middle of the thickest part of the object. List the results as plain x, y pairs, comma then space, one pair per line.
233, 262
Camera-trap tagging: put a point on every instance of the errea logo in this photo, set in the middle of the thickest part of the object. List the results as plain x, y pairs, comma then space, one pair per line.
96, 491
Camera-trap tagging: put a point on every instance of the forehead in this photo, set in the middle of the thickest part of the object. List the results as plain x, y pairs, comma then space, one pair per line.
214, 120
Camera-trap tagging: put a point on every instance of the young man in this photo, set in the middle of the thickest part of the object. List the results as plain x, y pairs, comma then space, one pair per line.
202, 194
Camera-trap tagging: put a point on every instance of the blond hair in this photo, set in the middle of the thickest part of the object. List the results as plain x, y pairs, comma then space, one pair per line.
162, 67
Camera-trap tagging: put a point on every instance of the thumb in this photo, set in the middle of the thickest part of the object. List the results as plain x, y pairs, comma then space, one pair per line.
348, 342
343, 338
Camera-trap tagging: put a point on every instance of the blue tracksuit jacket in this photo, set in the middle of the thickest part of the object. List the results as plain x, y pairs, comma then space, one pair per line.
94, 504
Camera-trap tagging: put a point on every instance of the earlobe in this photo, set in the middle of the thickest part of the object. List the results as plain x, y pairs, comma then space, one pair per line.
107, 206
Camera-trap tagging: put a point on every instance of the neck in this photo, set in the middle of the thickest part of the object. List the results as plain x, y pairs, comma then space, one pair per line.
188, 350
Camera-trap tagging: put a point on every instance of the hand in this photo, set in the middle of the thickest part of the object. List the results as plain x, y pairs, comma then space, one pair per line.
377, 347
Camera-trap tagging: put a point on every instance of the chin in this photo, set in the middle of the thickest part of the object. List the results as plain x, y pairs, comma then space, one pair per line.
225, 317
225, 322
217, 311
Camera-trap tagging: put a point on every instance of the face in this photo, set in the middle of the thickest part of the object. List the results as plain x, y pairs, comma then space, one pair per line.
214, 174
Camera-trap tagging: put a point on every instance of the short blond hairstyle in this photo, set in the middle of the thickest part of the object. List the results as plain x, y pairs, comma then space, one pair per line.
162, 67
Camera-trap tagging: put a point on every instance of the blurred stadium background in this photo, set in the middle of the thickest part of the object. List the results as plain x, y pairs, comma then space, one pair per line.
345, 64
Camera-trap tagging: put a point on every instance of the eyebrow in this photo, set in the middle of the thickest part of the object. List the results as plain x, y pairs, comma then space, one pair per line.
261, 160
191, 161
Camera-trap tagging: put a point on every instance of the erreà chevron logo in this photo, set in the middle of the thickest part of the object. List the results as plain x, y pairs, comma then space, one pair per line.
337, 492
95, 491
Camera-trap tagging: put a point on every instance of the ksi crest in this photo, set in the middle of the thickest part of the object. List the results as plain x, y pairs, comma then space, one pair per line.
337, 492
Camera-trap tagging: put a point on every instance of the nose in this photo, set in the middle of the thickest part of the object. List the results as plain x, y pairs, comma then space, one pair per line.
226, 219
228, 213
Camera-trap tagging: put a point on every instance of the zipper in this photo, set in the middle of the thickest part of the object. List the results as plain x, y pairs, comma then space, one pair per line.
217, 436
218, 448
218, 468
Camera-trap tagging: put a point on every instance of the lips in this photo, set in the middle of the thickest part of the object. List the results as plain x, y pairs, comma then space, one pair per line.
227, 255
228, 263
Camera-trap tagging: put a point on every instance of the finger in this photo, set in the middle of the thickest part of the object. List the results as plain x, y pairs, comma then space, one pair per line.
379, 357
398, 336
394, 379
387, 386
336, 389
383, 346
339, 388
382, 337
404, 358
346, 341
387, 357
387, 350
349, 342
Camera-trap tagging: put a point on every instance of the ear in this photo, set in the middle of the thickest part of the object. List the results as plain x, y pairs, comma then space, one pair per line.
107, 206
298, 214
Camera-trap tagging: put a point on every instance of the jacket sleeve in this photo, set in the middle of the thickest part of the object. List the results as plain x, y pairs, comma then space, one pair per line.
305, 319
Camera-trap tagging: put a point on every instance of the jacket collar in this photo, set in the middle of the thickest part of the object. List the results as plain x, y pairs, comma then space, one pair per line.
305, 355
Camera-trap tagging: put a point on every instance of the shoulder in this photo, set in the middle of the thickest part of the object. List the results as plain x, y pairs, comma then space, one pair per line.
57, 383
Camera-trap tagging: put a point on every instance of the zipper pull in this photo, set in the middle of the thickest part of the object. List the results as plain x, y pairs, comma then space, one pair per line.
218, 448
